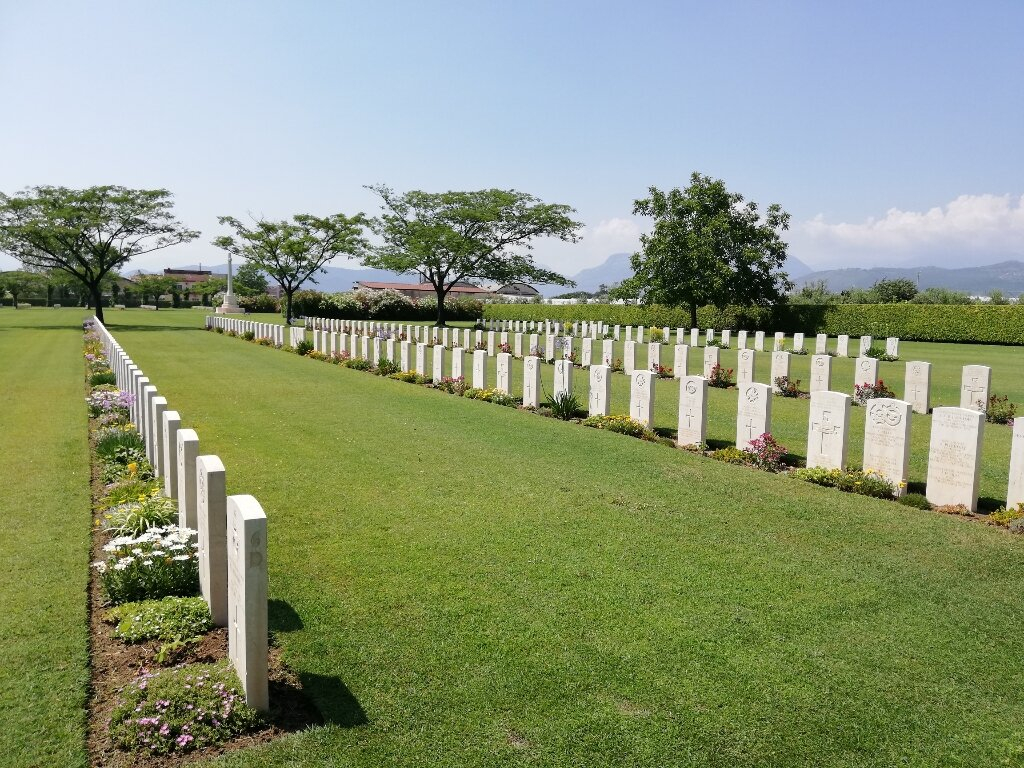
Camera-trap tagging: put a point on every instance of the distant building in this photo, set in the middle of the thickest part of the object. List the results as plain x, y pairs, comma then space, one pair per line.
425, 290
186, 278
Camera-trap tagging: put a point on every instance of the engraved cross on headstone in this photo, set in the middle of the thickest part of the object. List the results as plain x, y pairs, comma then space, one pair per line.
973, 388
824, 428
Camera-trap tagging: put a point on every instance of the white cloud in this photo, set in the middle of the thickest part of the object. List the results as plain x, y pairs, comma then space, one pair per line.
613, 235
987, 226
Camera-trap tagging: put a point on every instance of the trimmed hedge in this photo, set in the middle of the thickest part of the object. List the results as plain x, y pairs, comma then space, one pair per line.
967, 323
380, 305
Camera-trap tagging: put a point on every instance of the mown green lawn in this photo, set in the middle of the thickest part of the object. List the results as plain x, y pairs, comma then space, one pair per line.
463, 584
44, 549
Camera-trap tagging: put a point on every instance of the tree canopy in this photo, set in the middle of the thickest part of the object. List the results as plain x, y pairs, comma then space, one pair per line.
87, 233
707, 247
449, 237
249, 280
292, 252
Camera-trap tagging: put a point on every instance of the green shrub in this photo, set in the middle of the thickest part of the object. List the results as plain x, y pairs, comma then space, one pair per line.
232, 333
732, 455
262, 303
130, 489
1005, 517
621, 424
181, 709
129, 464
248, 335
304, 347
218, 329
114, 442
766, 453
387, 367
264, 341
720, 377
879, 353
864, 392
357, 363
102, 377
915, 500
865, 483
453, 386
788, 387
409, 377
172, 618
1000, 410
133, 517
657, 335
159, 563
564, 406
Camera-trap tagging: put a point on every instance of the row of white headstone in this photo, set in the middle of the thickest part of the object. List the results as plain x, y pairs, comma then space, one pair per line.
272, 331
232, 530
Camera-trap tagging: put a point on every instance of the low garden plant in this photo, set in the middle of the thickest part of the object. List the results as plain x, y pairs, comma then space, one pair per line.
162, 562
787, 387
387, 367
1008, 518
720, 377
915, 500
621, 424
1000, 410
564, 406
766, 453
864, 392
135, 517
131, 488
167, 619
864, 482
181, 709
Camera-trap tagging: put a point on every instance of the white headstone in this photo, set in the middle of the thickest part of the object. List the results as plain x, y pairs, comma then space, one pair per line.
780, 341
842, 345
438, 361
745, 359
188, 450
654, 356
821, 373
753, 413
918, 385
404, 353
1015, 488
504, 378
780, 368
563, 377
552, 347
586, 352
458, 363
600, 390
421, 358
629, 333
865, 345
798, 342
694, 337
759, 341
892, 346
711, 358
172, 423
709, 335
741, 340
680, 361
629, 357
693, 414
534, 345
828, 424
159, 406
726, 337
865, 371
974, 387
517, 344
821, 344
887, 440
607, 352
480, 369
247, 598
641, 397
492, 344
211, 517
531, 381
954, 457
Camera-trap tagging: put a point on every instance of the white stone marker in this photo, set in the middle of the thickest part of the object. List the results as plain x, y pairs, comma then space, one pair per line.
695, 337
1015, 488
466, 340
780, 341
567, 347
146, 424
629, 357
887, 440
458, 363
389, 349
404, 354
709, 335
531, 381
918, 386
552, 346
247, 598
865, 371
375, 354
654, 356
759, 341
517, 344
826, 434
865, 344
974, 387
711, 358
693, 414
563, 377
954, 457
821, 344
640, 335
364, 352
741, 340
504, 382
421, 358
188, 450
745, 359
821, 373
159, 406
892, 346
480, 369
680, 361
534, 345
600, 390
212, 519
607, 352
780, 368
172, 423
616, 332
586, 352
842, 345
641, 397
492, 344
753, 413
726, 337
629, 333
438, 363
354, 351
798, 342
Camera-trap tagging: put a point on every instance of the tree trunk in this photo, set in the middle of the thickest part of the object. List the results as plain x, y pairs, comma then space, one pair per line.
97, 301
440, 306
693, 314
288, 307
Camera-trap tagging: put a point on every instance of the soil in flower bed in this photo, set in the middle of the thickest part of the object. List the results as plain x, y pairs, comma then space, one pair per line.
114, 664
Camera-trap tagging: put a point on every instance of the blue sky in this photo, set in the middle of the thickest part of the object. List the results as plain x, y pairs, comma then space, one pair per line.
890, 131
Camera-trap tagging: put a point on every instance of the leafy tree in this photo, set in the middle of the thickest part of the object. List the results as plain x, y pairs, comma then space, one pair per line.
88, 233
209, 287
814, 292
894, 291
293, 252
941, 296
995, 296
155, 286
449, 237
707, 248
20, 284
249, 280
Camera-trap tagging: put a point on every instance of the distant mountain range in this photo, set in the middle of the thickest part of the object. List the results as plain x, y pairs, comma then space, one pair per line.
1007, 276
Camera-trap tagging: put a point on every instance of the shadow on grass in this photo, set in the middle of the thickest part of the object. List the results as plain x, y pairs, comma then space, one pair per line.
715, 445
282, 617
335, 701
